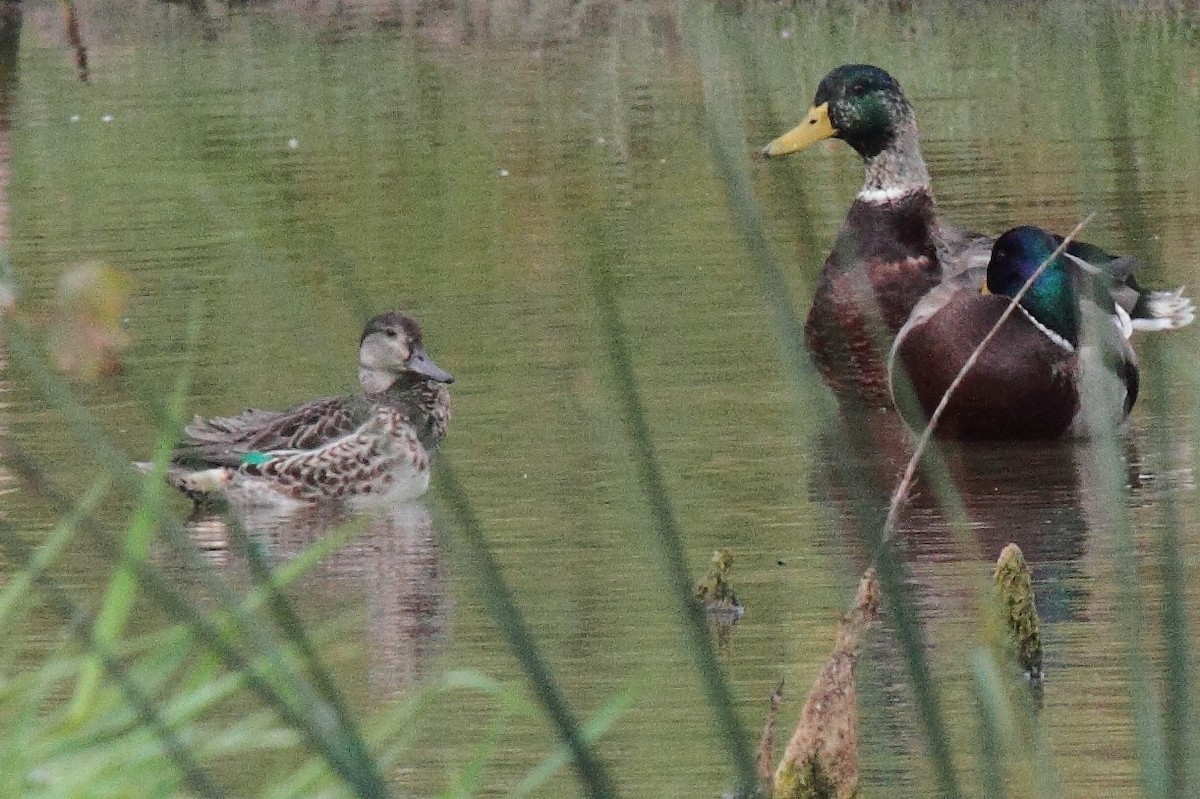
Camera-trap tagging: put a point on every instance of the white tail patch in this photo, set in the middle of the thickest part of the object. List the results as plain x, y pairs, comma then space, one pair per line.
1169, 310
1123, 321
206, 481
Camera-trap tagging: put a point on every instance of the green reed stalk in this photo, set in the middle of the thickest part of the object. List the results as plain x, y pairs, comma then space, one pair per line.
1177, 714
666, 527
19, 584
122, 588
730, 156
1009, 725
592, 730
1148, 730
294, 633
82, 626
600, 231
500, 603
600, 234
300, 707
993, 726
1163, 738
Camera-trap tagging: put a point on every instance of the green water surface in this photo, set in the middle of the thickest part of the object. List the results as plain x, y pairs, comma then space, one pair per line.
293, 177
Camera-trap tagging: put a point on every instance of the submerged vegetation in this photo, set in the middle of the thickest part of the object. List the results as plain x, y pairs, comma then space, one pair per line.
821, 759
715, 591
564, 193
1014, 590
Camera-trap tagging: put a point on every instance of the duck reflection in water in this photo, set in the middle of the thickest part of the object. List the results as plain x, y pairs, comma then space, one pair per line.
1034, 494
290, 479
390, 570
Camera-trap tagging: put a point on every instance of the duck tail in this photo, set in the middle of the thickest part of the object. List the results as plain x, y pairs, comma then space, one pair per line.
1164, 310
202, 482
201, 485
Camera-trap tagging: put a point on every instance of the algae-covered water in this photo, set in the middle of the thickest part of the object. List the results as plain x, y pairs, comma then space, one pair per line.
294, 175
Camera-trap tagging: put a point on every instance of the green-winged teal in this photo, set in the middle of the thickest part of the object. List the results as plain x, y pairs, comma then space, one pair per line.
363, 447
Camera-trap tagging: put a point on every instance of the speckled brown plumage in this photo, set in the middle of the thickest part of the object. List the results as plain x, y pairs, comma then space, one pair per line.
378, 442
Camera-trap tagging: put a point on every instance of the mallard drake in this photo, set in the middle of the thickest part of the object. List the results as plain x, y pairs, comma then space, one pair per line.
1060, 361
361, 447
891, 249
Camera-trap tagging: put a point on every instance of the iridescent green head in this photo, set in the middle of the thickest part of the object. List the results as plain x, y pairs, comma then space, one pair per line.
860, 104
1053, 299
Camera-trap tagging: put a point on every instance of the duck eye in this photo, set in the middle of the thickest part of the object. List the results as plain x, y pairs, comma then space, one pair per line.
857, 90
391, 332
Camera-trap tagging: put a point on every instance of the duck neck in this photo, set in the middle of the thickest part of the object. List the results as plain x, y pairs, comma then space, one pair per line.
897, 169
375, 381
1053, 304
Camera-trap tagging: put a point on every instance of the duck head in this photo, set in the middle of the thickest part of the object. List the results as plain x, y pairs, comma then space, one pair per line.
865, 107
1053, 299
391, 349
860, 104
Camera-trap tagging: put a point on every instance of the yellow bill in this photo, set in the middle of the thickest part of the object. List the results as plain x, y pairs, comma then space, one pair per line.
815, 127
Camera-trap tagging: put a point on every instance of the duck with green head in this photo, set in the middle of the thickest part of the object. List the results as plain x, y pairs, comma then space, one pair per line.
359, 448
891, 249
1058, 364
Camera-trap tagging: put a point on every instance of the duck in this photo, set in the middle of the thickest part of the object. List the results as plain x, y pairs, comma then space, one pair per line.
361, 449
892, 249
1058, 365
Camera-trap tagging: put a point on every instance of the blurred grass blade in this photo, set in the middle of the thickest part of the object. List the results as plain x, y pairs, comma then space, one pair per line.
17, 585
592, 730
1163, 739
905, 618
995, 724
469, 779
278, 688
1009, 729
731, 157
665, 526
122, 588
601, 223
346, 728
80, 625
139, 533
501, 605
396, 727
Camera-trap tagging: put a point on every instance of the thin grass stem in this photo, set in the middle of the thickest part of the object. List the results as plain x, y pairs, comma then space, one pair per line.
500, 603
730, 161
81, 625
900, 495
